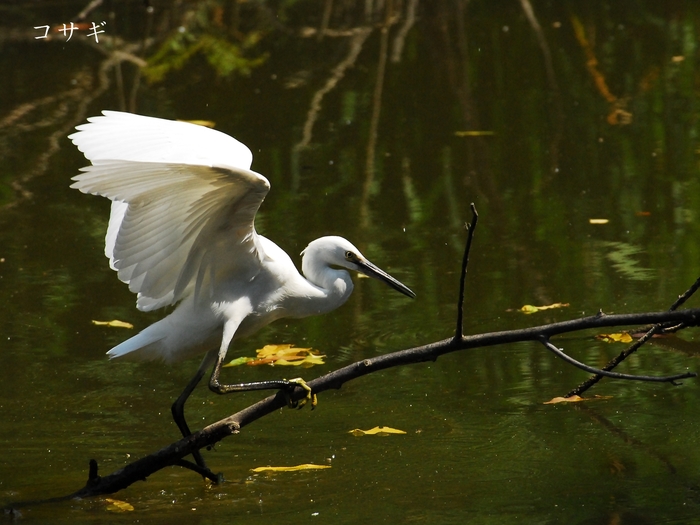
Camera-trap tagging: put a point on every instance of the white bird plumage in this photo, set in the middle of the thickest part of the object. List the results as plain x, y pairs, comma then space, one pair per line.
181, 231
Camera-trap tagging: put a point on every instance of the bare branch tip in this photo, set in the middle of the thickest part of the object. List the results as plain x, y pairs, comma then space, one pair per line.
92, 471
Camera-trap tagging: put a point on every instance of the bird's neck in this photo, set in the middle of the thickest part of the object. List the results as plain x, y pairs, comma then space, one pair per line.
334, 287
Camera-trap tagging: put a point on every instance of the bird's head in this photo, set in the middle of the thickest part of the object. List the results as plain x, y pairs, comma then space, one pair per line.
335, 251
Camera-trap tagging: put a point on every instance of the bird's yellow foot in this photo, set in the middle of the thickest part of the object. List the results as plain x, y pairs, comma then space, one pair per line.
310, 396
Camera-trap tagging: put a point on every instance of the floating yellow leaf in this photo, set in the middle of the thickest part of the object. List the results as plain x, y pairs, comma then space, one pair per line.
306, 466
277, 350
113, 324
116, 505
598, 221
622, 337
376, 431
309, 360
282, 355
240, 361
574, 399
474, 133
529, 309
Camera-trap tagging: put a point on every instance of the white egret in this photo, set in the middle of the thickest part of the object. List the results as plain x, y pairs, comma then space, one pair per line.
181, 230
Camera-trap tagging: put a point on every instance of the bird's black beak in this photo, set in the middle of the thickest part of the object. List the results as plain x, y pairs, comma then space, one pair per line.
370, 270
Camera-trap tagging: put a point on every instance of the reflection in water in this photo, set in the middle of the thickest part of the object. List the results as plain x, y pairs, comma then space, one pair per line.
622, 257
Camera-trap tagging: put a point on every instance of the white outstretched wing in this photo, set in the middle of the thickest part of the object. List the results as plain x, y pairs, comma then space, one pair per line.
125, 136
184, 204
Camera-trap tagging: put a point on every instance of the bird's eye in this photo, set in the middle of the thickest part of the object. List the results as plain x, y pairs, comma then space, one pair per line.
350, 256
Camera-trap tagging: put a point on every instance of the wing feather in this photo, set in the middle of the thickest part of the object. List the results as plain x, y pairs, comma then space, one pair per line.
125, 136
182, 218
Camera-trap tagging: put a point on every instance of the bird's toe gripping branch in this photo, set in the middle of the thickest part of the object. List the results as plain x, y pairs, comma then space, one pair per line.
310, 396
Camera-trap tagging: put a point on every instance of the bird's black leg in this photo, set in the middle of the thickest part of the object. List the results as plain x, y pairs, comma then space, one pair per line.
178, 408
213, 356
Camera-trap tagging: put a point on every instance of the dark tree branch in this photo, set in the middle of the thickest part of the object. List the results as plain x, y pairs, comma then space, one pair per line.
658, 379
637, 344
459, 332
174, 454
685, 296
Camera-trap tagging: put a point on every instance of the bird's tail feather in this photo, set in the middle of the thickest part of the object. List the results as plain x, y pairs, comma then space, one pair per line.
147, 345
174, 338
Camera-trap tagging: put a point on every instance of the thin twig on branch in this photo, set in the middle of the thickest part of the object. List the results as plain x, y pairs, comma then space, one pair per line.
459, 331
635, 346
615, 375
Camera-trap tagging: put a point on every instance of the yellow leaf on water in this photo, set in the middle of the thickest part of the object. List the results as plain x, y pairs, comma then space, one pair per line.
574, 399
529, 309
622, 337
113, 324
376, 431
116, 505
474, 133
598, 221
306, 466
272, 350
297, 361
281, 355
240, 361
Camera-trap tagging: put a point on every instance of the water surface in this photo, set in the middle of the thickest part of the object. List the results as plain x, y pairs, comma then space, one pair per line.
383, 129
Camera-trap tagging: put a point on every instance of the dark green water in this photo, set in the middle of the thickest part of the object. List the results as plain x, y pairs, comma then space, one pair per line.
362, 134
